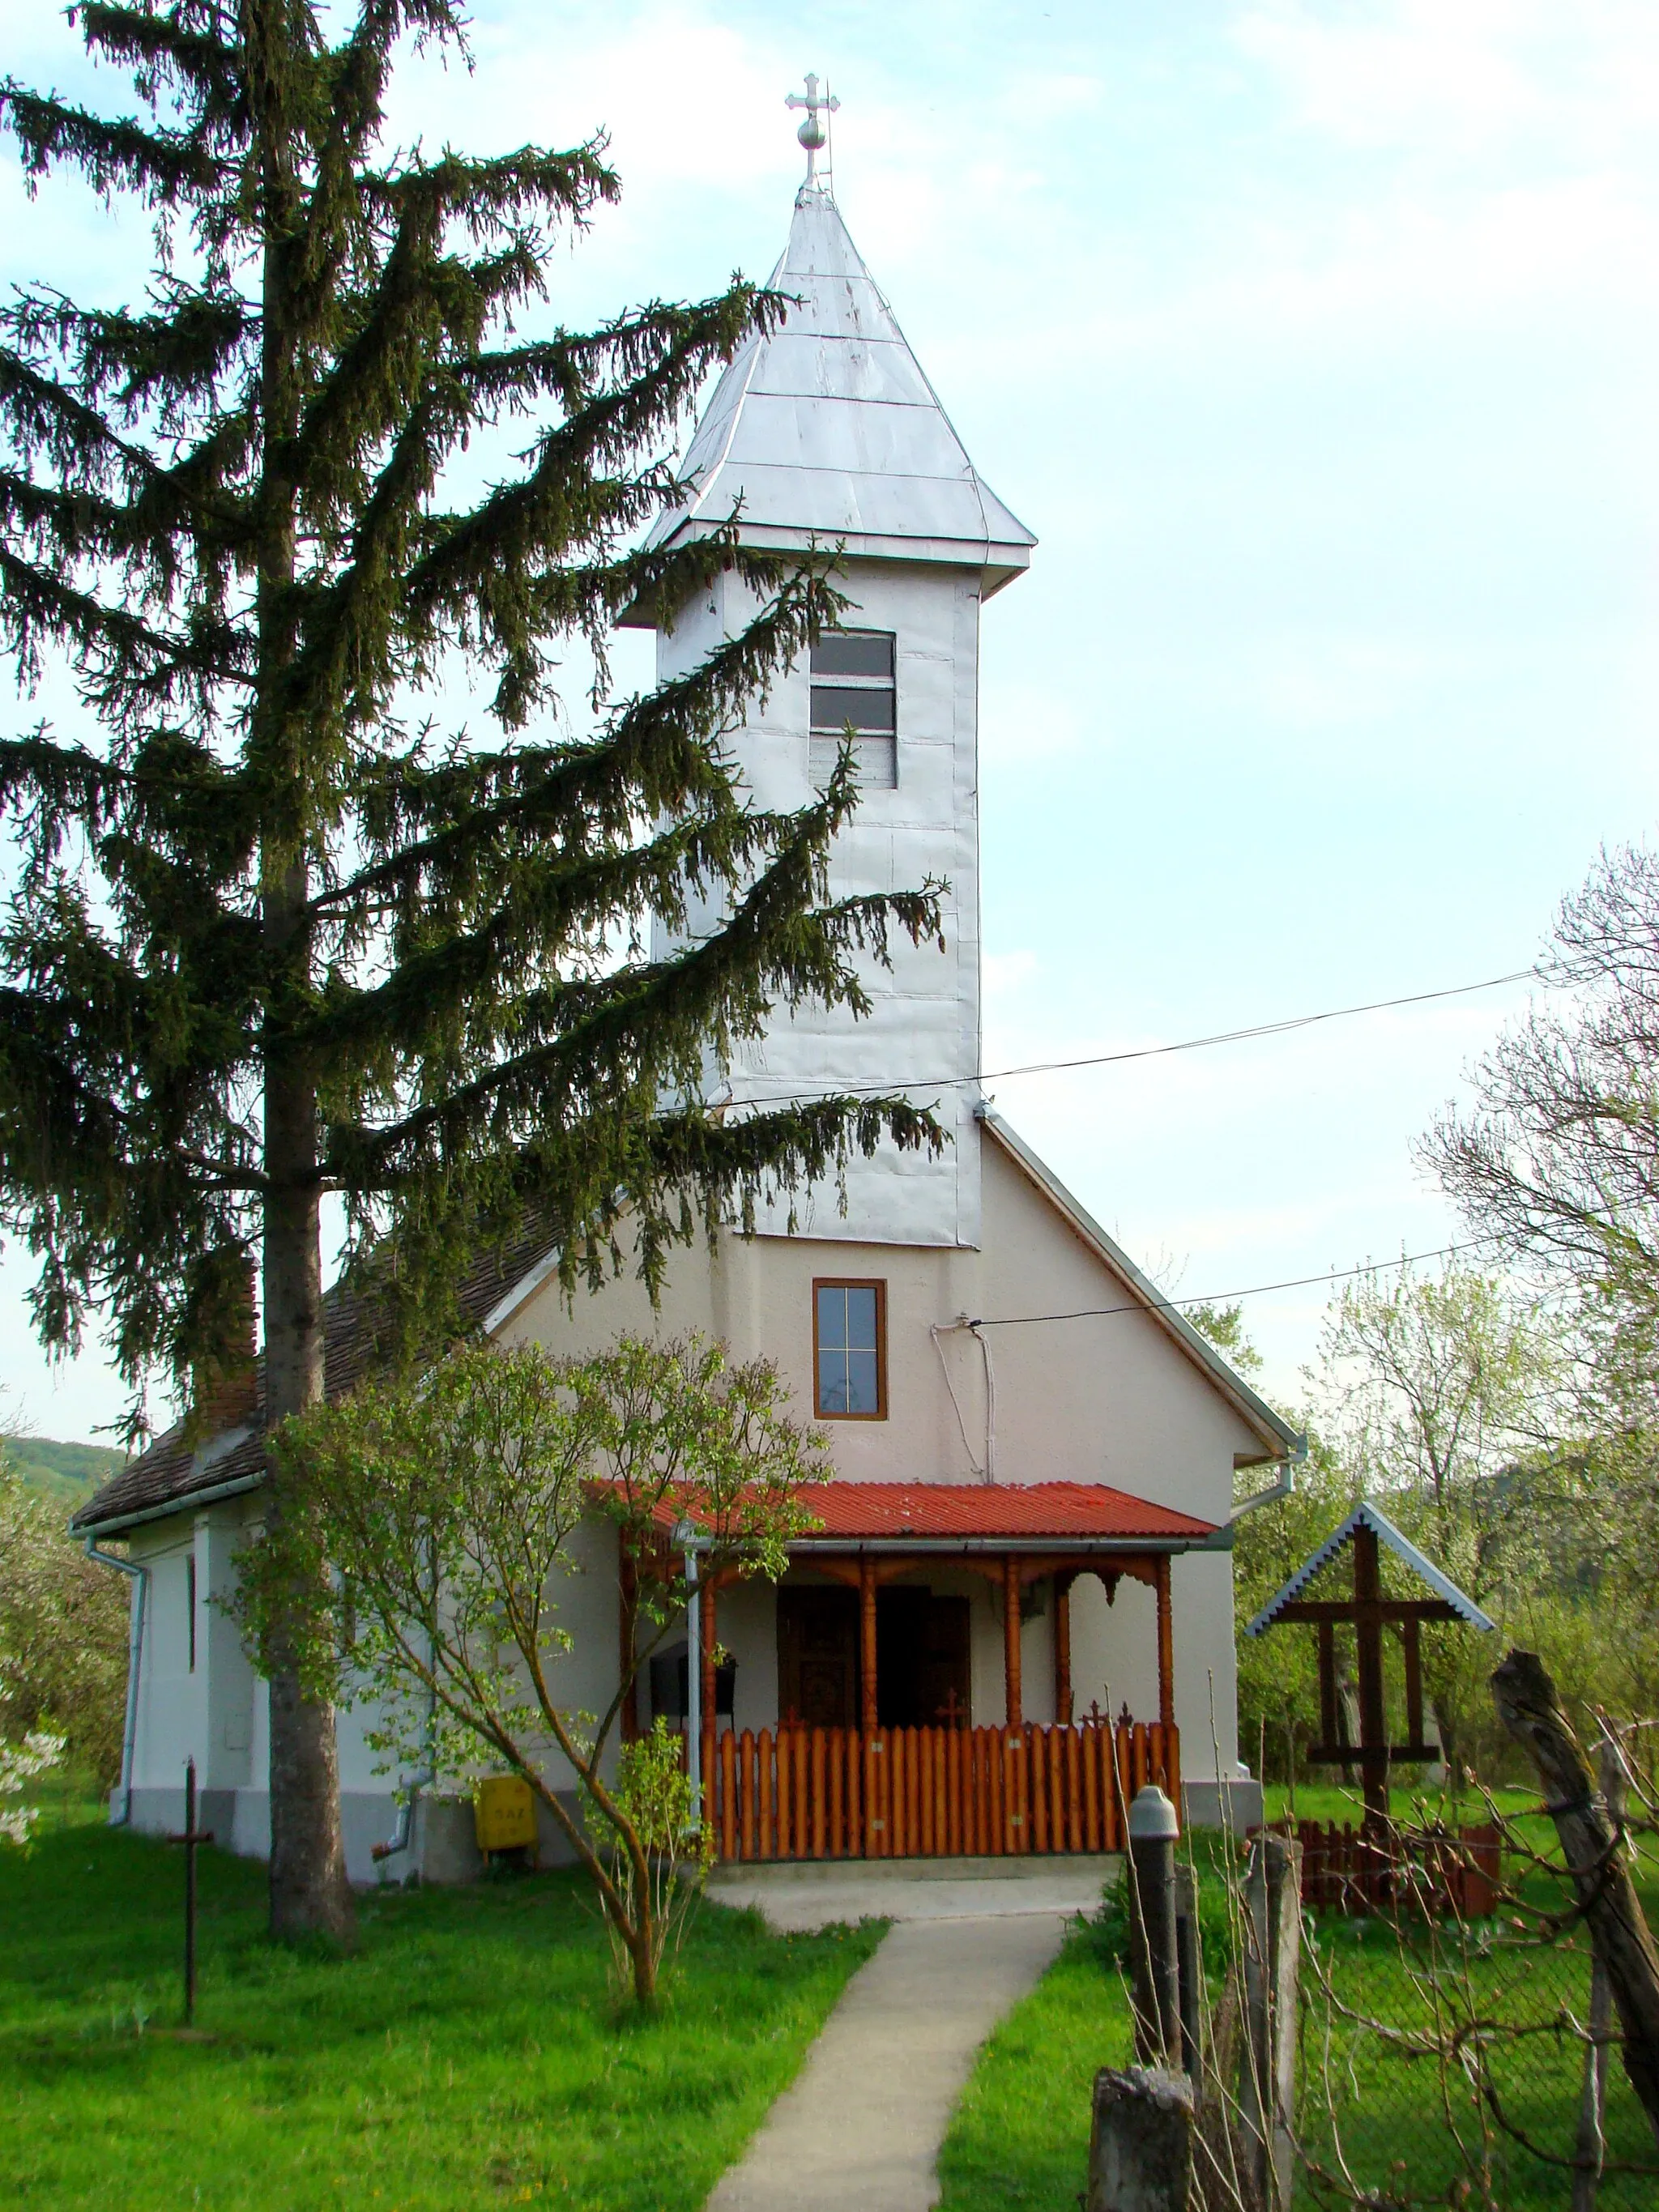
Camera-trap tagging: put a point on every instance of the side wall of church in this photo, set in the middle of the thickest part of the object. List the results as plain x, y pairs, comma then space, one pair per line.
216, 1709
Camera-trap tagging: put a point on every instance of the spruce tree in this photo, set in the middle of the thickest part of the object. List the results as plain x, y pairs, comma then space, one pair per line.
273, 936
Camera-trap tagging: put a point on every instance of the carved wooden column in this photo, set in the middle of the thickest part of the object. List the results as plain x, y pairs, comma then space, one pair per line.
1063, 1646
870, 1706
1012, 1711
1165, 1645
706, 1659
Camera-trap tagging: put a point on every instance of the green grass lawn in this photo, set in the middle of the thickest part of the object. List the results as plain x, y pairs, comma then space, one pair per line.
1020, 2135
467, 2054
1330, 1801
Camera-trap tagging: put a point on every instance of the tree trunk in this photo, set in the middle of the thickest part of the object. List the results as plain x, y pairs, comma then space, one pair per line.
1529, 1709
644, 1967
309, 1892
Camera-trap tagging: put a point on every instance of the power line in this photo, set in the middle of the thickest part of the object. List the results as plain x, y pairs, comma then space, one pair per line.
1250, 1290
1155, 1051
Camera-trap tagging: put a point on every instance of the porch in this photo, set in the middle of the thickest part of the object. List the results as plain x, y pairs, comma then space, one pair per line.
964, 1792
874, 1748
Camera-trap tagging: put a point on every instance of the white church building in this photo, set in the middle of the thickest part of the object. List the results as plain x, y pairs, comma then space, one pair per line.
1019, 1602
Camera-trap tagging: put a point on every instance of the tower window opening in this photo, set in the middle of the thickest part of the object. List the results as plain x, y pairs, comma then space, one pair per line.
854, 687
190, 1607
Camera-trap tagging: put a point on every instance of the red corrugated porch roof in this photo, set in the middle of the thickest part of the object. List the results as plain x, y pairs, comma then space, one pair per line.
946, 1512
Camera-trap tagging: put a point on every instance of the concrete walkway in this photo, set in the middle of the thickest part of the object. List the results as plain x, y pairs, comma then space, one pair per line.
860, 2127
816, 1895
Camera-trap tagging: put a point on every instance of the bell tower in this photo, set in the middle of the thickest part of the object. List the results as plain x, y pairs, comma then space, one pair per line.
827, 432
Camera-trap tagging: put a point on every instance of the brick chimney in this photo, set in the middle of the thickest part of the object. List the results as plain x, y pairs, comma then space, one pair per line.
223, 1392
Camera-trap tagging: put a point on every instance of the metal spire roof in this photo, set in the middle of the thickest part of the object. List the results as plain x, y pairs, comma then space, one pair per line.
1367, 1515
829, 431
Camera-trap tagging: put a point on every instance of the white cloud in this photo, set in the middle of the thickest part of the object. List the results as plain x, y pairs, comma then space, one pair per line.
1456, 82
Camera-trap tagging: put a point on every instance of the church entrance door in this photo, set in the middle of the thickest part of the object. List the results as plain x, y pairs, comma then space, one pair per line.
922, 1666
818, 1657
922, 1670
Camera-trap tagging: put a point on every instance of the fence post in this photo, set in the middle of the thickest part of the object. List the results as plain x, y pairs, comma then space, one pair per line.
1591, 2149
1152, 1828
1140, 2151
1530, 1710
1273, 1958
1189, 1968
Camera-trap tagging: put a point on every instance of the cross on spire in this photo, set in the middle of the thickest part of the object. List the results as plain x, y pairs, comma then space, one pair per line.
812, 134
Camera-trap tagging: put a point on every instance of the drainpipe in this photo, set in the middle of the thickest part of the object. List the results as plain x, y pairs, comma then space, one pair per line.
398, 1840
685, 1536
139, 1576
1283, 1488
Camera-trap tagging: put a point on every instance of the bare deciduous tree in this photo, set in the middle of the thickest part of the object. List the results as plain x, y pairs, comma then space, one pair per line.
1559, 1158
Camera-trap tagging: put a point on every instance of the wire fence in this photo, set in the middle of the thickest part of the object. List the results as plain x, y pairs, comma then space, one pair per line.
1457, 2045
1448, 2064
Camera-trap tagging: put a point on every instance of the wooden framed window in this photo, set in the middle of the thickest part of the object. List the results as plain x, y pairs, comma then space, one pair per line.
854, 687
849, 1350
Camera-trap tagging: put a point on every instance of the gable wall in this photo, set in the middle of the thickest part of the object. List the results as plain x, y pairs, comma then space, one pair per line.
1111, 1400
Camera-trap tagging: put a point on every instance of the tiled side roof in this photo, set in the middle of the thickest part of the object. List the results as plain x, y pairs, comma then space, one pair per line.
172, 1471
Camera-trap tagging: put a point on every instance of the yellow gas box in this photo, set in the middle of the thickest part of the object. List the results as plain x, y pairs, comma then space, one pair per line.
504, 1813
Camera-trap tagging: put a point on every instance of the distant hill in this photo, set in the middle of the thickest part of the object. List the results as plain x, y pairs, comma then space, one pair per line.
66, 1473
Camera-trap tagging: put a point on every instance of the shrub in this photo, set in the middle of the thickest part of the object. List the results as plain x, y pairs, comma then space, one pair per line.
62, 1635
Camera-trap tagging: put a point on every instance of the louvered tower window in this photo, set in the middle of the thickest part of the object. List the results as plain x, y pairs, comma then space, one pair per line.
852, 682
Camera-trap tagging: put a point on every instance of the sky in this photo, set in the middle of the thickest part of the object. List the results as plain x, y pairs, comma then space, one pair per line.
1317, 344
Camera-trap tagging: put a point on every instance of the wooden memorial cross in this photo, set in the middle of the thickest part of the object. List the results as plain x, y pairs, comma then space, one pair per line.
1368, 1611
191, 1836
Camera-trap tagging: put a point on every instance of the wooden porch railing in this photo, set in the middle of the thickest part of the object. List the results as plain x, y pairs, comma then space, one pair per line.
799, 1792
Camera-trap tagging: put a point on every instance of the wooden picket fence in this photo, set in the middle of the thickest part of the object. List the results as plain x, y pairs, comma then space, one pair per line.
1432, 1871
799, 1792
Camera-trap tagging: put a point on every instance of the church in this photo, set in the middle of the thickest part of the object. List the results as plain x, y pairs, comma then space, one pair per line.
1018, 1605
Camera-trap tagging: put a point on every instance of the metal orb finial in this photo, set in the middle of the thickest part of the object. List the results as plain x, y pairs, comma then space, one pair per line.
812, 134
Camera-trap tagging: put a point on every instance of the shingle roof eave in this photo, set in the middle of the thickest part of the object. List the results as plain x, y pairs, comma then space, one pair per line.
176, 1475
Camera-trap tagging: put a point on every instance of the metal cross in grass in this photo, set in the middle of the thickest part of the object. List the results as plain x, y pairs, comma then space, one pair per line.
191, 1836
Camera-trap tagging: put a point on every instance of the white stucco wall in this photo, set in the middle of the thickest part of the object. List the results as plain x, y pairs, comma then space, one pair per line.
925, 1015
1113, 1400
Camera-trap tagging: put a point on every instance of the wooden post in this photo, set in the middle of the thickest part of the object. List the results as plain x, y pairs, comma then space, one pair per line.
710, 1721
1266, 2084
1410, 1637
1165, 1645
1013, 1716
1368, 1647
1189, 1966
1063, 1648
1330, 1725
628, 1616
1530, 1710
867, 1642
1591, 2150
